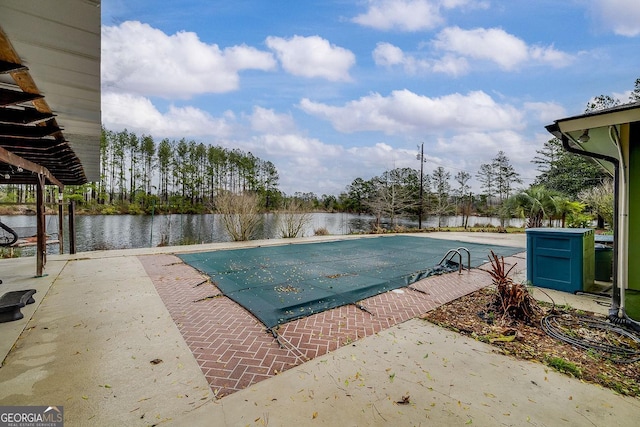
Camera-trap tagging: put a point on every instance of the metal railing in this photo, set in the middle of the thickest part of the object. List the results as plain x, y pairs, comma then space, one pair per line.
7, 235
452, 252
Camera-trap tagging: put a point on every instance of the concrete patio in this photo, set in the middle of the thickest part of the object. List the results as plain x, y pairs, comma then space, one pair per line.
117, 338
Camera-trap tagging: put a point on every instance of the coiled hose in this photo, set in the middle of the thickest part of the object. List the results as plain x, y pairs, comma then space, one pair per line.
619, 345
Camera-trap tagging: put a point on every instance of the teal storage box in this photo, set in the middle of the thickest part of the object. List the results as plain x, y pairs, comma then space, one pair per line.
561, 258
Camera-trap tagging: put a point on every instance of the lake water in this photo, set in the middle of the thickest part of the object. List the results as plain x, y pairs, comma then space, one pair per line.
102, 232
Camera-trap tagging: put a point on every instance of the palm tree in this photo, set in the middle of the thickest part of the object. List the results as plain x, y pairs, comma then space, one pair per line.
562, 207
535, 204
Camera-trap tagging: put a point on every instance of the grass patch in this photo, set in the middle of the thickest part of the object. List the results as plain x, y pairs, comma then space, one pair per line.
10, 252
618, 386
564, 366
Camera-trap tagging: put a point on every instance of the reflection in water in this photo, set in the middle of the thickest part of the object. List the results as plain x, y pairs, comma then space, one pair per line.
103, 232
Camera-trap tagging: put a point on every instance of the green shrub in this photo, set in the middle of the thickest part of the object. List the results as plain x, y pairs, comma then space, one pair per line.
135, 209
109, 210
579, 220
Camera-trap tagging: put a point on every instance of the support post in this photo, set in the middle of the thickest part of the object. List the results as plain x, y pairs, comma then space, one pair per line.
72, 227
60, 223
421, 185
41, 232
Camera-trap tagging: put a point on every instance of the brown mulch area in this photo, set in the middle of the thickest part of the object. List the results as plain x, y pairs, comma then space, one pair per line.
475, 315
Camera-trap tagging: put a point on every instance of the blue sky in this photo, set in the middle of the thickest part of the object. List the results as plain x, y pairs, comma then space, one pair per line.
333, 90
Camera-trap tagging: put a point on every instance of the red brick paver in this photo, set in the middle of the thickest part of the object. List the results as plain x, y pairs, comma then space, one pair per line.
235, 350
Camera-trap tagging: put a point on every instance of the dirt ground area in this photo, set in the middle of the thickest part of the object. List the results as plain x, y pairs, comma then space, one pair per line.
475, 315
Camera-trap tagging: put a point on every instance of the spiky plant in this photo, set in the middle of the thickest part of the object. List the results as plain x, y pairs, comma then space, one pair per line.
513, 300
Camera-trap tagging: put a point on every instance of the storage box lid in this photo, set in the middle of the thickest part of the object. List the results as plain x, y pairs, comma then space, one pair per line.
560, 231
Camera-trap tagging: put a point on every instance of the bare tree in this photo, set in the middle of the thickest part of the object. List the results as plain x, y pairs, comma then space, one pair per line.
505, 175
392, 195
487, 178
240, 214
293, 219
463, 196
441, 187
380, 202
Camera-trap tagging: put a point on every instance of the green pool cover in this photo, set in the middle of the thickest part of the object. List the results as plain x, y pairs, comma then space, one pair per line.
278, 284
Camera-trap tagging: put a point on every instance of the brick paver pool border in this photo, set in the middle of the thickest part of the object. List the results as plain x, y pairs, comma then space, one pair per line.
235, 350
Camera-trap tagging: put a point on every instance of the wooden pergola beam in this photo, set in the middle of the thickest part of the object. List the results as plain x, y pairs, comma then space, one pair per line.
52, 152
28, 132
24, 115
6, 67
12, 97
12, 159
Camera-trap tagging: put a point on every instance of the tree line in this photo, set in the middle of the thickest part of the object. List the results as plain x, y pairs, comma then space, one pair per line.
140, 175
404, 192
179, 175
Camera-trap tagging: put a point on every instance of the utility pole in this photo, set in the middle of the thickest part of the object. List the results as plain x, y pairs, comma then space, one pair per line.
421, 158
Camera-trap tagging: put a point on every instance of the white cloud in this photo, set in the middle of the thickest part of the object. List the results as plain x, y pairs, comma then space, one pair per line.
313, 57
405, 111
544, 112
457, 47
386, 54
624, 97
380, 157
485, 145
308, 164
452, 65
474, 4
140, 59
301, 161
266, 120
138, 114
470, 150
550, 55
498, 46
405, 15
411, 15
293, 145
620, 16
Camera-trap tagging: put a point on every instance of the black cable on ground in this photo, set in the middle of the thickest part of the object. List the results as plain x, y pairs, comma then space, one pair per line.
201, 283
275, 336
363, 308
418, 290
571, 329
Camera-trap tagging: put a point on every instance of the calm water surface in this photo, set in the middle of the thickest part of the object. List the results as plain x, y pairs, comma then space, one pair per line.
103, 232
